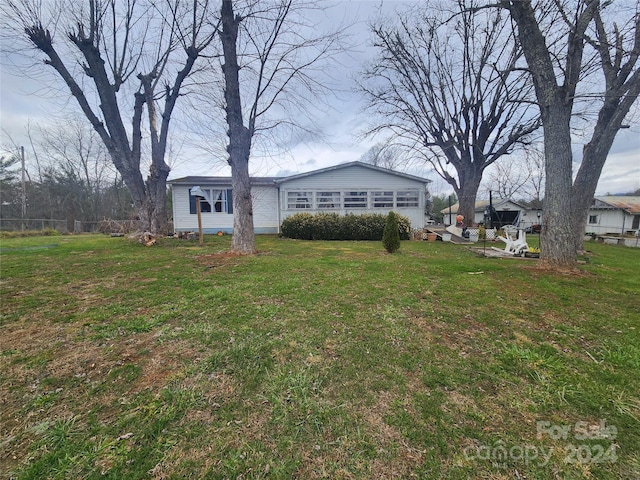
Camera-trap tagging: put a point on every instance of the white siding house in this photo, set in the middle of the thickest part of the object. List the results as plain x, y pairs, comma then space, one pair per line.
614, 214
506, 212
353, 188
219, 216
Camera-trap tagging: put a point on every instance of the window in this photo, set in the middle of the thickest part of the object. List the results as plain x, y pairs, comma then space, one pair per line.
297, 200
328, 199
593, 219
205, 207
350, 200
636, 222
221, 199
355, 199
407, 198
382, 199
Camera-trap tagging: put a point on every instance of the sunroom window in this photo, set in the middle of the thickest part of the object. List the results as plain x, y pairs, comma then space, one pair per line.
382, 199
299, 200
407, 198
355, 199
328, 200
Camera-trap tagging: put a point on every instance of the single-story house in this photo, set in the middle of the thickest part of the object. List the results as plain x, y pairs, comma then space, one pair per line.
614, 214
350, 188
506, 212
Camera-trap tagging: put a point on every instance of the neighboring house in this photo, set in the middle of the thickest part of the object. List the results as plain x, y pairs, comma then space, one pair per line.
350, 188
616, 215
506, 212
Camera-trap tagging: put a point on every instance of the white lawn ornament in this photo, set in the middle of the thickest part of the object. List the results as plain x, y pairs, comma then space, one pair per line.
514, 245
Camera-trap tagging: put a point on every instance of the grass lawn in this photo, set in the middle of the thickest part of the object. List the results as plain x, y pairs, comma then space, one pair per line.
314, 360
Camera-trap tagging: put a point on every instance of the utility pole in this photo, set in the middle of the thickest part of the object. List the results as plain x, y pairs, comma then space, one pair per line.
24, 189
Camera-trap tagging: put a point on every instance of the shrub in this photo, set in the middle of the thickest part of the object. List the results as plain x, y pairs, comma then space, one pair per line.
404, 227
332, 226
298, 226
391, 236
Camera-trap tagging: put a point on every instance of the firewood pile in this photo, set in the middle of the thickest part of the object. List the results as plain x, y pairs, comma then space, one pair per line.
148, 239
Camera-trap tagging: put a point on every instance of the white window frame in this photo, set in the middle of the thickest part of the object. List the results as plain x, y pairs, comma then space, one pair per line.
356, 200
299, 200
219, 196
382, 199
407, 199
328, 200
213, 197
594, 218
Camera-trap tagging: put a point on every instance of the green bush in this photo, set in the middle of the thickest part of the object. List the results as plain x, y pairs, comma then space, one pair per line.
331, 226
391, 236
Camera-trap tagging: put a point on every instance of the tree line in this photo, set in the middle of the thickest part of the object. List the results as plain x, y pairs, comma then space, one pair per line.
69, 177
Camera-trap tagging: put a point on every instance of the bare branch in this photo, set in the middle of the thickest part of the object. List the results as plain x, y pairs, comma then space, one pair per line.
451, 86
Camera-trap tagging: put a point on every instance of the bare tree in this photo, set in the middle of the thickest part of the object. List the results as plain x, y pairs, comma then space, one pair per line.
618, 49
521, 177
384, 155
535, 168
448, 87
76, 150
272, 59
557, 67
128, 54
10, 186
508, 178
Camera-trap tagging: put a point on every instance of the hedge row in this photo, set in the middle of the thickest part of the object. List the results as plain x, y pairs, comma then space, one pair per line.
331, 226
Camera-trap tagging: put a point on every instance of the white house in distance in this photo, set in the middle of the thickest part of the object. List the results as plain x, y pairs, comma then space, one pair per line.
350, 188
618, 215
507, 212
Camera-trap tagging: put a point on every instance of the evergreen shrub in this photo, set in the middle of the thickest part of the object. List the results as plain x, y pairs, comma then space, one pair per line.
391, 236
331, 226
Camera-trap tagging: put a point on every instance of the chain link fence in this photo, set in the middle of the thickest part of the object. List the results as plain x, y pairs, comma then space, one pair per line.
68, 226
18, 224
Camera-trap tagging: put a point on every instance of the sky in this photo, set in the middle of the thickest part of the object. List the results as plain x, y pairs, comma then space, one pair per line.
25, 101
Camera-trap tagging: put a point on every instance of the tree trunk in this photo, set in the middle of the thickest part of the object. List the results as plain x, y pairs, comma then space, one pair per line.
243, 233
555, 98
157, 196
135, 184
594, 154
467, 193
239, 136
556, 238
584, 188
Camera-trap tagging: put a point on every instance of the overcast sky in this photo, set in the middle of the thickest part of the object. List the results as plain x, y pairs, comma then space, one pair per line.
22, 102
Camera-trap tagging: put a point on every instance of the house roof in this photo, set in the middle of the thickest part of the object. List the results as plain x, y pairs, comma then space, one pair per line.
352, 164
482, 204
627, 203
198, 180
